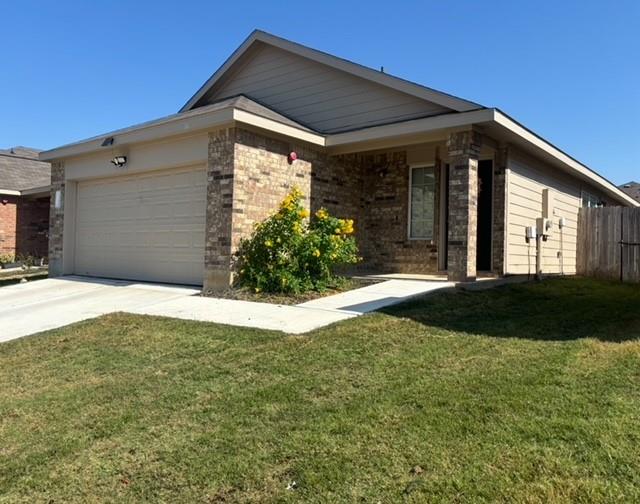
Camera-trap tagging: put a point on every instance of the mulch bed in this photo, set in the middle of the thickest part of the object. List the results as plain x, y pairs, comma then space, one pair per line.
246, 294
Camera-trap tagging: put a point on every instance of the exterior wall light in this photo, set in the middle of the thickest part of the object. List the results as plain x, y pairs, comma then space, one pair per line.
119, 161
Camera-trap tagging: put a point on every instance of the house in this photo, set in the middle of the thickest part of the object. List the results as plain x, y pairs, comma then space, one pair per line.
435, 183
632, 189
24, 203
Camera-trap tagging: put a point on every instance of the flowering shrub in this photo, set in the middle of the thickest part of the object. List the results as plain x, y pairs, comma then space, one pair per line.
294, 252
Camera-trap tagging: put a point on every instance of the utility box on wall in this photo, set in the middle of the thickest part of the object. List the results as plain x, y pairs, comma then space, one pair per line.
548, 203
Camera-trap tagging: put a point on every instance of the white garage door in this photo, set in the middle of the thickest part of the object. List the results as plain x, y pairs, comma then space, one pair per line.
145, 227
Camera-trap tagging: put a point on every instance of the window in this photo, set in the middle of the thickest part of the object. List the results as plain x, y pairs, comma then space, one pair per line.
591, 201
422, 202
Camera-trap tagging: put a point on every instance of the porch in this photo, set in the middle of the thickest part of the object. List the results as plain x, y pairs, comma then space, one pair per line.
432, 210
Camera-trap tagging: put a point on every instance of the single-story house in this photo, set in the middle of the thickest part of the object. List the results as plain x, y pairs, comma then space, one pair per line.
435, 183
25, 185
632, 189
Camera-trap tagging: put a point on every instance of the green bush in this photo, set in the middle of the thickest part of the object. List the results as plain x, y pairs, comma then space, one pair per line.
292, 252
7, 258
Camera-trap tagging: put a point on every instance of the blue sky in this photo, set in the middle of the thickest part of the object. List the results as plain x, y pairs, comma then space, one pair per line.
569, 70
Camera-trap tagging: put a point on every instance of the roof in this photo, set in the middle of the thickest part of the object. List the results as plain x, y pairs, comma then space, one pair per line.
20, 170
632, 189
396, 83
238, 108
241, 109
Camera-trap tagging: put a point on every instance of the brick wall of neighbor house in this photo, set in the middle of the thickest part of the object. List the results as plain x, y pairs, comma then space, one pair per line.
8, 214
32, 227
23, 225
56, 220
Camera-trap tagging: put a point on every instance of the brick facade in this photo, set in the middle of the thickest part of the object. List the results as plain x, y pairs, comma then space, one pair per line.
56, 220
464, 150
249, 174
24, 223
8, 216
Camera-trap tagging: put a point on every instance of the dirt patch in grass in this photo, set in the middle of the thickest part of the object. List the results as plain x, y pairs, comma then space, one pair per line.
246, 294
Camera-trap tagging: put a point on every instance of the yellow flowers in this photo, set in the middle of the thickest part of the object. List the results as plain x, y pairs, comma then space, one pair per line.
297, 228
322, 214
268, 243
304, 213
292, 200
346, 227
316, 253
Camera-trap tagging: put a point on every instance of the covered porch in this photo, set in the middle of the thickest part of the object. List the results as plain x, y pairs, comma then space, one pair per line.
427, 209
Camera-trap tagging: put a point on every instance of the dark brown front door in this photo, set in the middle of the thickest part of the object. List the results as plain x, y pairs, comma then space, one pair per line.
485, 197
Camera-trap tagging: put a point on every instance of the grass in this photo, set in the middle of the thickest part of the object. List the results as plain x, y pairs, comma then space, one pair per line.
526, 393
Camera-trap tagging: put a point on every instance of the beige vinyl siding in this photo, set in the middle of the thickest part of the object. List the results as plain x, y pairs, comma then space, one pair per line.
323, 98
526, 181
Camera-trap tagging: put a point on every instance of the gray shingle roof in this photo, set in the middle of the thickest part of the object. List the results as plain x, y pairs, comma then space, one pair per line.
20, 169
632, 189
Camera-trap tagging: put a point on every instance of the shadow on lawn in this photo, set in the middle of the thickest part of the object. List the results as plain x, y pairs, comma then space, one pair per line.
553, 310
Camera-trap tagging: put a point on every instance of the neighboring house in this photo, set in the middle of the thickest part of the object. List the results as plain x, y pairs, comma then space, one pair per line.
632, 189
25, 184
435, 183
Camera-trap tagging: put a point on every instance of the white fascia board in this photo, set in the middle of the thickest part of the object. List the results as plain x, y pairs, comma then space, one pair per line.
154, 130
177, 125
9, 192
567, 160
427, 124
278, 127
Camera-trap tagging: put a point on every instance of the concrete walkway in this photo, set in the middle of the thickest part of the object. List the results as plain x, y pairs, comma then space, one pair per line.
47, 304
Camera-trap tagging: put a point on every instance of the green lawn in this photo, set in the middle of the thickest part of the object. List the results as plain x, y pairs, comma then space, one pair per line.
526, 393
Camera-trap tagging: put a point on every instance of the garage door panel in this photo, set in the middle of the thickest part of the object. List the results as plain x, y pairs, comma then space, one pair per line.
149, 227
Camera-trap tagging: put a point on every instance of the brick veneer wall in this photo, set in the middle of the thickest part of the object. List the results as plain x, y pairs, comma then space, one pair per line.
8, 214
32, 227
249, 174
387, 247
56, 220
464, 150
23, 225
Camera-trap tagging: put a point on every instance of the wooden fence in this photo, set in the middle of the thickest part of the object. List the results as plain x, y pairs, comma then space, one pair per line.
609, 243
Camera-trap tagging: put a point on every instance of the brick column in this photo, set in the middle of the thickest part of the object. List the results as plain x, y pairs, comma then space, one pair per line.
56, 220
464, 149
220, 172
499, 209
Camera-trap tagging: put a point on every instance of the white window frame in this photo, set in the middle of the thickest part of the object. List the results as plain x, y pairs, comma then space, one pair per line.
412, 167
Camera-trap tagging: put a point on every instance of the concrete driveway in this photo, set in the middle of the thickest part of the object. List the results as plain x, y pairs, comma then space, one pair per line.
55, 302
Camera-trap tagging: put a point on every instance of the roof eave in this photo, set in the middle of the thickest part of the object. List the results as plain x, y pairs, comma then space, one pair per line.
181, 125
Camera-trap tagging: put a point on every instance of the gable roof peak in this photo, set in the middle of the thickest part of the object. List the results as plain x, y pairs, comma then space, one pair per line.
405, 86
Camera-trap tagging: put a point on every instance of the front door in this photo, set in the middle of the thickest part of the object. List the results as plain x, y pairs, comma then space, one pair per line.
485, 198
